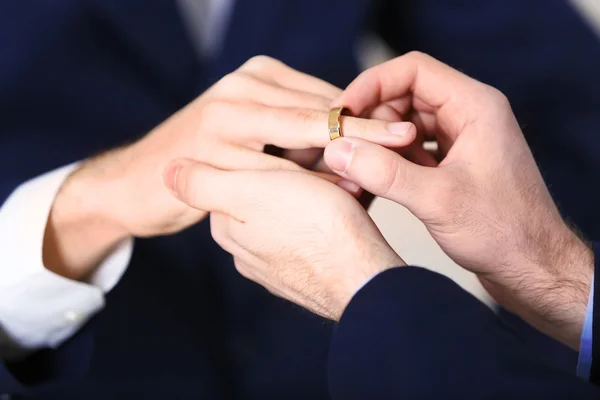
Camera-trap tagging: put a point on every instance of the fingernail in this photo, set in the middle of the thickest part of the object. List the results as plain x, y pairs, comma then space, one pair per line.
170, 176
399, 128
338, 154
350, 187
336, 103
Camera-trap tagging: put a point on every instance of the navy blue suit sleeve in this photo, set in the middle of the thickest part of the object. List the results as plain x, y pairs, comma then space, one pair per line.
42, 128
49, 368
412, 333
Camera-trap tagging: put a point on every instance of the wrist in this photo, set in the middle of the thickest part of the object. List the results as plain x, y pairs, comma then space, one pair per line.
553, 294
572, 277
81, 230
359, 281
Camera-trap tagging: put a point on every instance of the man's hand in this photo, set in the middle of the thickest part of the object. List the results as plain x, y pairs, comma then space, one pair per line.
485, 203
301, 237
121, 193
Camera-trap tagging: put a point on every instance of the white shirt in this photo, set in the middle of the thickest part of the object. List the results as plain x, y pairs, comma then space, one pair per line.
590, 12
37, 307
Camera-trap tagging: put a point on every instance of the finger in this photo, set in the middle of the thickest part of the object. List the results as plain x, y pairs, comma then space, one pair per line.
385, 112
426, 123
415, 151
239, 86
402, 106
353, 189
243, 158
210, 189
322, 166
305, 158
421, 156
380, 171
433, 86
298, 160
296, 128
350, 187
285, 76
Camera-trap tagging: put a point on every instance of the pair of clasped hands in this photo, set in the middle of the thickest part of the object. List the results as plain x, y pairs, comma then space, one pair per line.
293, 224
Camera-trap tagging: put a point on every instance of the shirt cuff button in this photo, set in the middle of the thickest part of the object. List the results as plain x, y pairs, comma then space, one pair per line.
73, 316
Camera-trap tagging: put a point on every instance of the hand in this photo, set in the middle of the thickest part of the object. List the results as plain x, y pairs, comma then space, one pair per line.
121, 193
301, 237
486, 203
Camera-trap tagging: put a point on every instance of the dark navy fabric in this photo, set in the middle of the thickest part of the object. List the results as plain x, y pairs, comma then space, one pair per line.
414, 334
78, 77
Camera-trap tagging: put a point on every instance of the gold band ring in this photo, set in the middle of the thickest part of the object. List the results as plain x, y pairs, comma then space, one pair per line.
335, 128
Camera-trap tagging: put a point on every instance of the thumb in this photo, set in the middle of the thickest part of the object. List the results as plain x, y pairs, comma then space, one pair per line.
380, 171
209, 189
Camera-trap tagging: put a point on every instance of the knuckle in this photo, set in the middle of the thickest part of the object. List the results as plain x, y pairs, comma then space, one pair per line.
231, 84
259, 63
307, 114
417, 55
498, 98
491, 102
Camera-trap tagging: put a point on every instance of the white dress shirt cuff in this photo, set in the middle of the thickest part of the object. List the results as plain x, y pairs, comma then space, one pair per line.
38, 308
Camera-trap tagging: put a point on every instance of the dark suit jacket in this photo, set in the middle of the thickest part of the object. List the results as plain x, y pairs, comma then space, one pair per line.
414, 334
81, 76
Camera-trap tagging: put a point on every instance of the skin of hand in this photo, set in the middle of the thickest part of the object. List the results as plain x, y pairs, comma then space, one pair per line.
121, 193
485, 203
301, 237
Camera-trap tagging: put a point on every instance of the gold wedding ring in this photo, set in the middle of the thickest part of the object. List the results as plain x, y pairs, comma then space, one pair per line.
335, 128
